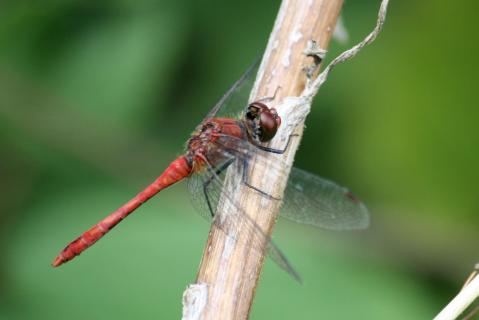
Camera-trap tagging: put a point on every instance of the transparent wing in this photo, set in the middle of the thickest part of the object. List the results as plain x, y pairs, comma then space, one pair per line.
316, 201
202, 189
235, 100
207, 194
308, 198
196, 184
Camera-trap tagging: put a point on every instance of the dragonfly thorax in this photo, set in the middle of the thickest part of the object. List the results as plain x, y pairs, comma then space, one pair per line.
204, 141
201, 138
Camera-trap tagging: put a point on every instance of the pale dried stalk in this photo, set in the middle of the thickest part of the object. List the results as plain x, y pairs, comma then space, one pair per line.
230, 269
468, 294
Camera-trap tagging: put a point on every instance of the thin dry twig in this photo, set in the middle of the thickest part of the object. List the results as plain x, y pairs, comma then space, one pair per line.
351, 53
465, 297
473, 274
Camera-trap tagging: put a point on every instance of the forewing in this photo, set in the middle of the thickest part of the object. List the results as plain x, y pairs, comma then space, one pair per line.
235, 100
310, 199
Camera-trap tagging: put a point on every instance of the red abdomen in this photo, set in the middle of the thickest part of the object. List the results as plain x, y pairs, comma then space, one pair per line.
176, 171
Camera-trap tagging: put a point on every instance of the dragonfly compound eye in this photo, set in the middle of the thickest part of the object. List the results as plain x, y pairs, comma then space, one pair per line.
262, 122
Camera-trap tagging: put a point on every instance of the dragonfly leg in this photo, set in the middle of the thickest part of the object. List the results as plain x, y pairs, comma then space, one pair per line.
245, 181
207, 183
273, 150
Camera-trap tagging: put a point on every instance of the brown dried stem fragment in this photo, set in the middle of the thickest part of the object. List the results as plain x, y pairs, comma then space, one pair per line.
230, 270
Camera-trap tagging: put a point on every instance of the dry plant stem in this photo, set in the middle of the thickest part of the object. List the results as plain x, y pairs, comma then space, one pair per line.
230, 268
464, 298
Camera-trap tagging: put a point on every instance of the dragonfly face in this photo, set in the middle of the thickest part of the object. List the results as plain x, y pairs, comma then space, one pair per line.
261, 122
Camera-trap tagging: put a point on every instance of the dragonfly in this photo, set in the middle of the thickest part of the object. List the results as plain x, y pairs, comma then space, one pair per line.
222, 141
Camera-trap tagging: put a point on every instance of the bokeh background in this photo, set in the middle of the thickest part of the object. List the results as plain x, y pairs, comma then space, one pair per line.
97, 97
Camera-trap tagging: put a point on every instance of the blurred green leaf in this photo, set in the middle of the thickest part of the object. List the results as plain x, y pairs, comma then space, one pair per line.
96, 97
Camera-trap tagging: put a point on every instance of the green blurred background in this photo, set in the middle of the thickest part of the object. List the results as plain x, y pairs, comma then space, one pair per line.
97, 97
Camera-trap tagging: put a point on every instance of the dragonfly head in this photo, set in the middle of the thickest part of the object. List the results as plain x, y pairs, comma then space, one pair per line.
262, 122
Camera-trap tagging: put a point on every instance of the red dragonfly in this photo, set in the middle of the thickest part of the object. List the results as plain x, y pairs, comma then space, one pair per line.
217, 144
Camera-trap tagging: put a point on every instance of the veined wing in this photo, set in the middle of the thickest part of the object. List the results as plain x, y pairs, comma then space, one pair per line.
316, 201
308, 198
235, 100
